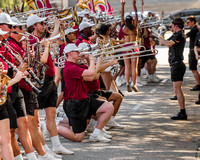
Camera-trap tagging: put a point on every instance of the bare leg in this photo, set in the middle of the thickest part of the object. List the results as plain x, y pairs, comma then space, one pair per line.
196, 76
14, 144
107, 77
106, 111
50, 121
117, 100
60, 98
6, 148
178, 91
57, 75
24, 134
37, 121
36, 140
69, 134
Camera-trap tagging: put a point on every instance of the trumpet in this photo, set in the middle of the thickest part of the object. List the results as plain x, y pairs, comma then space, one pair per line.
150, 24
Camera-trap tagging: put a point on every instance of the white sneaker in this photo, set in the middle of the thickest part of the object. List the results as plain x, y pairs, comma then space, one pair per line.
155, 80
107, 132
138, 84
123, 79
47, 157
118, 81
98, 138
141, 81
62, 150
91, 126
106, 135
150, 78
113, 124
54, 154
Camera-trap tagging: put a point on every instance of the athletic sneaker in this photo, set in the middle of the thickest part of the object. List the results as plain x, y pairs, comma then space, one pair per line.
54, 154
90, 128
118, 81
48, 157
98, 138
113, 124
108, 136
62, 150
141, 81
107, 132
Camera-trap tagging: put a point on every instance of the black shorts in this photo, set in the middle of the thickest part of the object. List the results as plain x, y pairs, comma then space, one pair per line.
18, 103
177, 71
192, 61
12, 114
3, 111
62, 81
146, 58
48, 96
78, 112
31, 102
105, 94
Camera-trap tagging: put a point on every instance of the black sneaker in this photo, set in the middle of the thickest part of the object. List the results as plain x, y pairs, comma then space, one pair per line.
197, 102
179, 116
173, 98
195, 88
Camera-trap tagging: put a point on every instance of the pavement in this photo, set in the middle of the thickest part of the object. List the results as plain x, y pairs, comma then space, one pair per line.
149, 133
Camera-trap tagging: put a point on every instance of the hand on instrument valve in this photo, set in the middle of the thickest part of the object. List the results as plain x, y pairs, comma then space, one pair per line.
57, 22
45, 43
23, 67
113, 62
19, 75
99, 62
155, 33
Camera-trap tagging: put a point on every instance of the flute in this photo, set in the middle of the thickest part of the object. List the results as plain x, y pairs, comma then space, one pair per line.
36, 90
28, 70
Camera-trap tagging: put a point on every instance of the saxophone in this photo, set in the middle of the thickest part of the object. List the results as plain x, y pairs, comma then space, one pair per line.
4, 87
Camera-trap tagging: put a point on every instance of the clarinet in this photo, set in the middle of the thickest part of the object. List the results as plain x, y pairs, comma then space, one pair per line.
36, 90
29, 70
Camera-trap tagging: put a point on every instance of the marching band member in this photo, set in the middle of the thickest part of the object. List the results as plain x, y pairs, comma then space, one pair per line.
18, 105
176, 45
48, 97
131, 34
70, 35
30, 96
77, 105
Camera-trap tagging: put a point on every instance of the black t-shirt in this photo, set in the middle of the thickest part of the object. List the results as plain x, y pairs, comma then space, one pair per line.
176, 51
192, 35
197, 40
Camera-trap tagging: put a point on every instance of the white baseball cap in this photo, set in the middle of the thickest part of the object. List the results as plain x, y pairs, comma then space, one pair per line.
71, 47
14, 19
83, 46
84, 25
80, 14
32, 19
70, 30
3, 32
5, 19
85, 11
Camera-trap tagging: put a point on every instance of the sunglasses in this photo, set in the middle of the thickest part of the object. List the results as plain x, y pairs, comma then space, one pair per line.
188, 22
9, 25
20, 27
42, 23
170, 26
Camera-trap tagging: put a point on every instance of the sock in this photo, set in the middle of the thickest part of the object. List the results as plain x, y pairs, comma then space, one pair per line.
19, 157
96, 131
46, 148
31, 156
56, 142
183, 111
